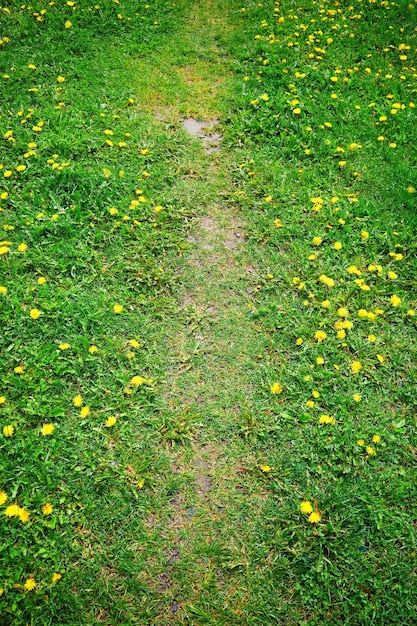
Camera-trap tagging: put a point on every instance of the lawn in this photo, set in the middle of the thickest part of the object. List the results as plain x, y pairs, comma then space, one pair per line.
208, 372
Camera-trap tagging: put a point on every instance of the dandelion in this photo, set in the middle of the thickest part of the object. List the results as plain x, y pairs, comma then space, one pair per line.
337, 245
64, 346
47, 429
85, 411
23, 515
41, 280
68, 24
47, 509
133, 343
77, 400
370, 450
319, 360
12, 510
314, 517
360, 442
22, 247
317, 241
326, 280
364, 235
306, 507
56, 577
8, 430
3, 497
35, 314
117, 308
327, 419
265, 468
30, 584
276, 388
357, 397
356, 367
376, 438
395, 300
320, 335
111, 421
92, 349
299, 341
60, 79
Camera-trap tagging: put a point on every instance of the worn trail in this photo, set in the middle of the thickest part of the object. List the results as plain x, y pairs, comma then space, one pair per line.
206, 399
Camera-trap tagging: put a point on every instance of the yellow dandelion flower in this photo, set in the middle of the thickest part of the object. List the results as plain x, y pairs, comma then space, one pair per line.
356, 367
8, 430
56, 577
138, 380
320, 335
265, 468
376, 438
319, 360
35, 314
276, 388
47, 509
117, 308
317, 241
85, 411
314, 517
357, 397
22, 247
3, 497
77, 400
24, 515
337, 245
64, 346
92, 349
30, 584
395, 300
370, 450
111, 421
327, 419
47, 429
306, 507
12, 510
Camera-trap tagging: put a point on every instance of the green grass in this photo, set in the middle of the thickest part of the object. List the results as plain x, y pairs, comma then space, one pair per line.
186, 509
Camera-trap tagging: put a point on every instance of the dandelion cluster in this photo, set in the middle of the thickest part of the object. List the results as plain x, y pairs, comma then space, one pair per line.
86, 220
333, 186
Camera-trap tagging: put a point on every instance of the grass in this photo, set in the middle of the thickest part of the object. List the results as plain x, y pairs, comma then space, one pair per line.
187, 355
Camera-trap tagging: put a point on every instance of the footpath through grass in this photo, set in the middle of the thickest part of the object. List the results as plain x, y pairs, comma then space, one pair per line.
208, 360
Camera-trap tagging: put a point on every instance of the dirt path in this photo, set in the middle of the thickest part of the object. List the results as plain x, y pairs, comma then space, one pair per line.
211, 351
